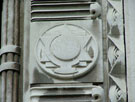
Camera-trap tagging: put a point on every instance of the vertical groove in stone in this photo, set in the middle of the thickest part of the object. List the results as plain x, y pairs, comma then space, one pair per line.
9, 86
16, 57
3, 85
105, 46
3, 43
15, 87
9, 91
4, 23
16, 23
10, 22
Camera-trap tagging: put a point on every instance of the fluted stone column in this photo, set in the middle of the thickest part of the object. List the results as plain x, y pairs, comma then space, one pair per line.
10, 50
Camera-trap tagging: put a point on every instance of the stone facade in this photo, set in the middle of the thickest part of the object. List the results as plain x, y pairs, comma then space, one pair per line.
67, 50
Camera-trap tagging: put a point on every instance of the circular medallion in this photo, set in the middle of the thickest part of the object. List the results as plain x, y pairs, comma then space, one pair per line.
65, 48
66, 51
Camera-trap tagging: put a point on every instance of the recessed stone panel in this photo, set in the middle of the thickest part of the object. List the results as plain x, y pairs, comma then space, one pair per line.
67, 50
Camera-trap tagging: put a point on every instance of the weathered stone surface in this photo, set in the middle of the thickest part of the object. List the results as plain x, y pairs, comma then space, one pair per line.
66, 50
72, 50
130, 48
67, 92
116, 52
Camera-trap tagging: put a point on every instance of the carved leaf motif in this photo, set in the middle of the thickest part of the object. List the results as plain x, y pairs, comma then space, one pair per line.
116, 95
113, 55
116, 4
116, 55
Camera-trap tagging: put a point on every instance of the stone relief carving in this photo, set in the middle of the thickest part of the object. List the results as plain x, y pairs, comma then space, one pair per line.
95, 10
116, 54
98, 94
10, 51
72, 10
66, 51
70, 92
116, 95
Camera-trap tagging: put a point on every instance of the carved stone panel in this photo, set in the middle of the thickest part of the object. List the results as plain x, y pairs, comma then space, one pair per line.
67, 59
67, 50
116, 52
65, 47
66, 93
72, 51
